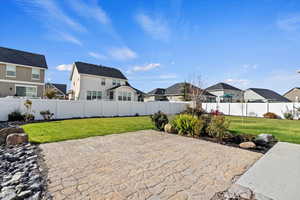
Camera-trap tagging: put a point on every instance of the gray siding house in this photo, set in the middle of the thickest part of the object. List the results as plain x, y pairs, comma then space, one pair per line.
263, 95
21, 73
293, 94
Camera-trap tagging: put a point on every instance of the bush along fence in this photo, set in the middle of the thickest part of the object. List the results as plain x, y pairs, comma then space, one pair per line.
62, 109
255, 109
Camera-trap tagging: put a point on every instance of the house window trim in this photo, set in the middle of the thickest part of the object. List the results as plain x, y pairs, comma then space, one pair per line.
39, 70
7, 70
27, 86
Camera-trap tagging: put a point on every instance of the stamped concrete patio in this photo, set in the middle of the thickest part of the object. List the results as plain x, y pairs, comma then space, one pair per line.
142, 165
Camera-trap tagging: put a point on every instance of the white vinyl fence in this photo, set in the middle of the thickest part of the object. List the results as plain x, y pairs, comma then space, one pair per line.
64, 109
253, 109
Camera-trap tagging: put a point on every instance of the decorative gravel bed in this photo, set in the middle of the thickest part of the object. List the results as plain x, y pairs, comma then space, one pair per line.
22, 173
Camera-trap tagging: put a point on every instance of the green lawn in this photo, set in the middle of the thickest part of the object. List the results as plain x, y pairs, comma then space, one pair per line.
82, 128
284, 130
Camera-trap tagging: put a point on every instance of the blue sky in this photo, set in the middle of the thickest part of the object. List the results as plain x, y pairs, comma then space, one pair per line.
160, 42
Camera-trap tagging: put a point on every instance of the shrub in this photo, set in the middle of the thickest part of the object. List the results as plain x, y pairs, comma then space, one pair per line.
15, 116
218, 127
288, 115
186, 124
206, 118
216, 112
197, 111
28, 117
270, 115
46, 114
159, 119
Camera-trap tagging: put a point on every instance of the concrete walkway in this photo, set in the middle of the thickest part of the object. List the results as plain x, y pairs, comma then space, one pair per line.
146, 165
277, 174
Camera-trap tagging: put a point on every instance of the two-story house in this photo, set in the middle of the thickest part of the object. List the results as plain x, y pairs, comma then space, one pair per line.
96, 82
226, 93
21, 73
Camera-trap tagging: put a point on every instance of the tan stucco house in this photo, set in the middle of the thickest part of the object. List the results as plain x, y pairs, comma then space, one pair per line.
97, 82
22, 73
293, 94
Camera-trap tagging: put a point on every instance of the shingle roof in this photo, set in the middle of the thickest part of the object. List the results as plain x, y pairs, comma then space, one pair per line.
61, 87
269, 94
298, 88
99, 70
157, 91
222, 86
177, 89
128, 85
22, 58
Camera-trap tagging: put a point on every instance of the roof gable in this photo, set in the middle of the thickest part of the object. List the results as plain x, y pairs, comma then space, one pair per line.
269, 94
222, 86
98, 70
22, 58
157, 91
291, 90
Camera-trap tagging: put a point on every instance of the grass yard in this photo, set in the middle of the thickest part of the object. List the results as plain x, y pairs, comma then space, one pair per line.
81, 128
284, 130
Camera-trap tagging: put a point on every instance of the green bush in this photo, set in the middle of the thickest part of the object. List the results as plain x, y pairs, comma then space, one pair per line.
159, 119
188, 125
16, 116
288, 115
218, 127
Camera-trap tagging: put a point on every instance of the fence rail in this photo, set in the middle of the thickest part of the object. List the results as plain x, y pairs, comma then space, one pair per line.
63, 109
253, 109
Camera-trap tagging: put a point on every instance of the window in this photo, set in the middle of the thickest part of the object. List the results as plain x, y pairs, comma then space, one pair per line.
28, 91
120, 96
99, 95
103, 81
124, 96
10, 71
94, 96
89, 95
118, 82
114, 82
129, 96
35, 73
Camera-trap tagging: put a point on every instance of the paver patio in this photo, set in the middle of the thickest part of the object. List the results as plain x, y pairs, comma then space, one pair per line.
142, 165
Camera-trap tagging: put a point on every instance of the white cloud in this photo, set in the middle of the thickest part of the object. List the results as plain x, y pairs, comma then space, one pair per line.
70, 38
249, 66
123, 53
238, 82
64, 67
51, 14
146, 67
289, 23
168, 76
92, 11
156, 27
97, 55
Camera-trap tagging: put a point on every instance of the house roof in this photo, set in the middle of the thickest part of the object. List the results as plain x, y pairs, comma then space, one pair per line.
222, 86
22, 58
291, 90
60, 87
157, 91
99, 70
128, 85
177, 89
269, 94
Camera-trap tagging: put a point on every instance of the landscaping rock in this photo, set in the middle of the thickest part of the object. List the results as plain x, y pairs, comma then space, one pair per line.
17, 139
264, 139
7, 131
247, 145
169, 129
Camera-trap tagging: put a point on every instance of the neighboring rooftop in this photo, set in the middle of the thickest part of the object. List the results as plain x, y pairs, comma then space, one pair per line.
178, 88
22, 58
222, 86
298, 88
99, 70
157, 91
128, 85
269, 94
61, 87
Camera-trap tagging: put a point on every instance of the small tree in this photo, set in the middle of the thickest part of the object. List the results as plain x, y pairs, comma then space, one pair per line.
196, 93
50, 93
186, 92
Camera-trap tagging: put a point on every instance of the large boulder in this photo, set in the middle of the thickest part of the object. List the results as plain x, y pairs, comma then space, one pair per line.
7, 131
247, 145
16, 139
264, 139
169, 128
